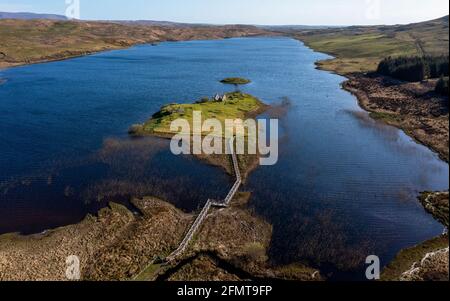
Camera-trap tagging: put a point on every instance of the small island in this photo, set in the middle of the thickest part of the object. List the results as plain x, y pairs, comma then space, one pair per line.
234, 105
235, 81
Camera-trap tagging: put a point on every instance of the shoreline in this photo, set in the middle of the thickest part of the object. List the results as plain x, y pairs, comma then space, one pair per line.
72, 54
318, 67
364, 101
425, 261
247, 162
417, 262
7, 66
103, 261
362, 97
117, 245
425, 258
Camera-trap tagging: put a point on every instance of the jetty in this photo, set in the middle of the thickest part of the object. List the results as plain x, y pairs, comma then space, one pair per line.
210, 204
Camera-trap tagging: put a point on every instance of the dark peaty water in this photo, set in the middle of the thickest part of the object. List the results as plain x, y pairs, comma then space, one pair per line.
345, 186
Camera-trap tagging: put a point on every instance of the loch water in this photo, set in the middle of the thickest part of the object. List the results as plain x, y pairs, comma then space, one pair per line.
345, 186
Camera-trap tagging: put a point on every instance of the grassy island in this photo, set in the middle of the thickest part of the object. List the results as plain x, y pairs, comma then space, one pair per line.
235, 105
235, 81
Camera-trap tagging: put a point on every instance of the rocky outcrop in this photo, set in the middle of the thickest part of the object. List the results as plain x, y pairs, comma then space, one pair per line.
436, 203
425, 262
429, 260
432, 267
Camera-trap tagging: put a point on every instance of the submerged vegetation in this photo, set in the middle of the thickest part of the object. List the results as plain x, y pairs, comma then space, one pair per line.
442, 86
415, 68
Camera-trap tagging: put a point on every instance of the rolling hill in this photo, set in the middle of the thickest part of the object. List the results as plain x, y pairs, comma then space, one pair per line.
30, 16
361, 48
33, 41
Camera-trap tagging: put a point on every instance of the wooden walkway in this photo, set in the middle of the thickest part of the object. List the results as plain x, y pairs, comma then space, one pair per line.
210, 203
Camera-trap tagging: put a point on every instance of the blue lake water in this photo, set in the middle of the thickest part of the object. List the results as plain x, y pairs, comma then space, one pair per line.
345, 186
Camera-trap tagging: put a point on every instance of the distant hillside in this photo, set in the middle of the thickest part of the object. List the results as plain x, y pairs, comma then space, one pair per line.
32, 41
295, 27
156, 23
361, 48
30, 16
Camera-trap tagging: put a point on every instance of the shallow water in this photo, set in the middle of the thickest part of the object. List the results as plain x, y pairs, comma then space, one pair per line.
345, 186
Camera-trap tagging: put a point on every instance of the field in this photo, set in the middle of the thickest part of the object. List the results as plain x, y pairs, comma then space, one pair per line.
360, 49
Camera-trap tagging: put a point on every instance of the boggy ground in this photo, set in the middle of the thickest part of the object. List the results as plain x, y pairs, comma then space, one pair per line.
111, 246
413, 107
118, 245
232, 244
357, 51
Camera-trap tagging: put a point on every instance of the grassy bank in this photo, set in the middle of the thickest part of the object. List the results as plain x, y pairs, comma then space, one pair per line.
237, 106
360, 49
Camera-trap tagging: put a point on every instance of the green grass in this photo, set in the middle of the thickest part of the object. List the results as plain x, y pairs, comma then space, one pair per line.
149, 273
235, 81
358, 53
362, 46
360, 49
386, 117
237, 106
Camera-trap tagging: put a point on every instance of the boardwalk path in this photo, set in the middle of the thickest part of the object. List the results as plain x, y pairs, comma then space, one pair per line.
204, 213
